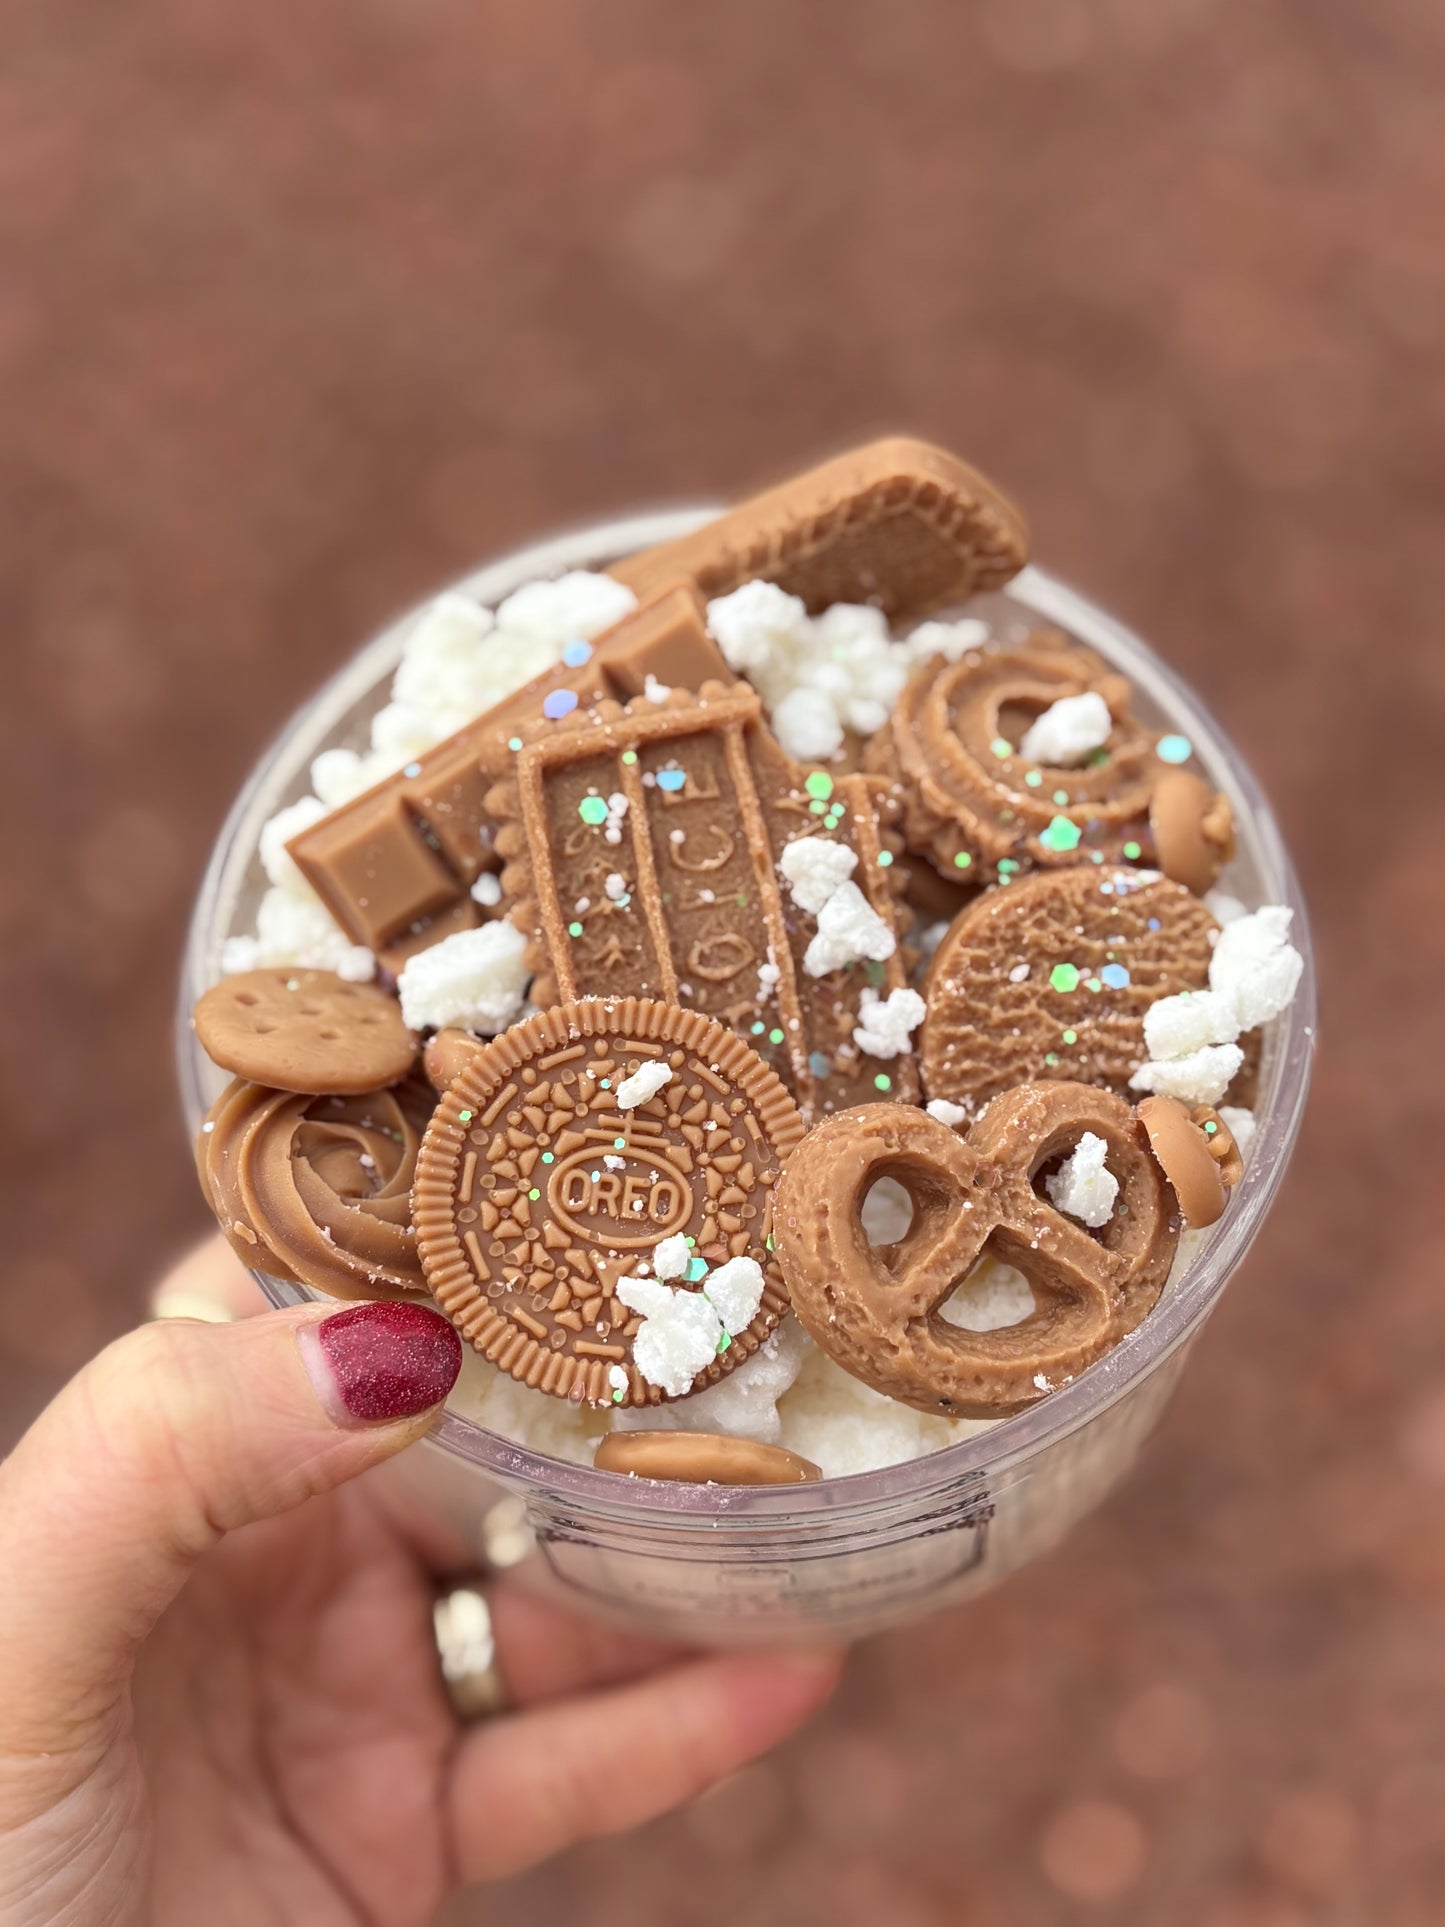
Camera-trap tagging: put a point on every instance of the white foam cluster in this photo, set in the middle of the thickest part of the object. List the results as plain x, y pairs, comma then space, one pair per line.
849, 929
821, 675
1068, 731
459, 659
681, 1331
1084, 1187
1253, 976
645, 1082
474, 979
885, 1026
742, 1405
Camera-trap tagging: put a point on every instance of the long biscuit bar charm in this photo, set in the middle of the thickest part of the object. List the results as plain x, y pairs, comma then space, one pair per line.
642, 847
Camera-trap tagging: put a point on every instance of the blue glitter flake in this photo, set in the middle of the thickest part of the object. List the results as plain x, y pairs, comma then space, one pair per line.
576, 653
1115, 976
1174, 749
559, 703
671, 779
1153, 923
819, 1063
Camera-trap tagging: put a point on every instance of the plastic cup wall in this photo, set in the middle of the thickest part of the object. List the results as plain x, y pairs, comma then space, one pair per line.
763, 1564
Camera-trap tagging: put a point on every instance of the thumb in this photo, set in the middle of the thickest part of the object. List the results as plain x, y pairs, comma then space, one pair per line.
174, 1435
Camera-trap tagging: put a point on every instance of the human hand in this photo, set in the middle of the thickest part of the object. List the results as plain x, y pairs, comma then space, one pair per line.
222, 1700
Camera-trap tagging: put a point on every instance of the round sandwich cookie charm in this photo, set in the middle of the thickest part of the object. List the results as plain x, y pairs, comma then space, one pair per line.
593, 1200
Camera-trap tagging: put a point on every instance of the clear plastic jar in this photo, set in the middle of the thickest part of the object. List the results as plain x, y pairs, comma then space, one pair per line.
735, 1565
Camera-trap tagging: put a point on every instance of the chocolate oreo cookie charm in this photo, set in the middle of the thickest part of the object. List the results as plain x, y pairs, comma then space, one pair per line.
976, 748
874, 1309
593, 1200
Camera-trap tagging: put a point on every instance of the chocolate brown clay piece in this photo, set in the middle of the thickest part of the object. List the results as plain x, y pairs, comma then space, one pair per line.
541, 1184
896, 523
874, 1309
447, 1055
979, 809
1050, 977
642, 848
1192, 829
396, 865
316, 1189
1201, 1164
304, 1030
702, 1458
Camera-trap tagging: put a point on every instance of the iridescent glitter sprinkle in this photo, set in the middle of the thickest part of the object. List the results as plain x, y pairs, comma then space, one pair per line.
1174, 749
559, 703
576, 653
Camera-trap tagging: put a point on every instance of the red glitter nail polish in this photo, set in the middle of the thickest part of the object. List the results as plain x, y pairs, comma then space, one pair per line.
388, 1361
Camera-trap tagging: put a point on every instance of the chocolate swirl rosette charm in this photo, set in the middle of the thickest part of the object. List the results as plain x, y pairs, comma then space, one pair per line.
318, 1189
874, 1309
982, 804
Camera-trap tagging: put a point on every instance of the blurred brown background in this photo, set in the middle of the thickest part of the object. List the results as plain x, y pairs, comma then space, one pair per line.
304, 308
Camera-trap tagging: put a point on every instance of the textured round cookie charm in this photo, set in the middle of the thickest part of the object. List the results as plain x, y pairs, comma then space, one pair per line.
593, 1200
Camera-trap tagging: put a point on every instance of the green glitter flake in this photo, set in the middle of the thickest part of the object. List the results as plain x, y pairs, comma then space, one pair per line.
877, 974
619, 1144
1064, 976
775, 1037
768, 1242
691, 1242
723, 1342
514, 742
534, 1194
618, 1396
757, 1030
885, 857
1174, 749
1061, 835
465, 1117
549, 1157
1071, 1037
1061, 797
1034, 779
605, 1083
1051, 1058
1001, 747
1098, 759
696, 1270
593, 809
574, 930
1210, 1128
1094, 984
1007, 866
816, 807
883, 1082
629, 756
819, 785
1133, 852
962, 861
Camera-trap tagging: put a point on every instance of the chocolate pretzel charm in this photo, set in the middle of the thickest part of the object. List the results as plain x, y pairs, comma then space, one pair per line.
874, 1309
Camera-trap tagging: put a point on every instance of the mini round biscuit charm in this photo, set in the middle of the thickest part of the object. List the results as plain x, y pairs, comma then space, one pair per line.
305, 1030
564, 1154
